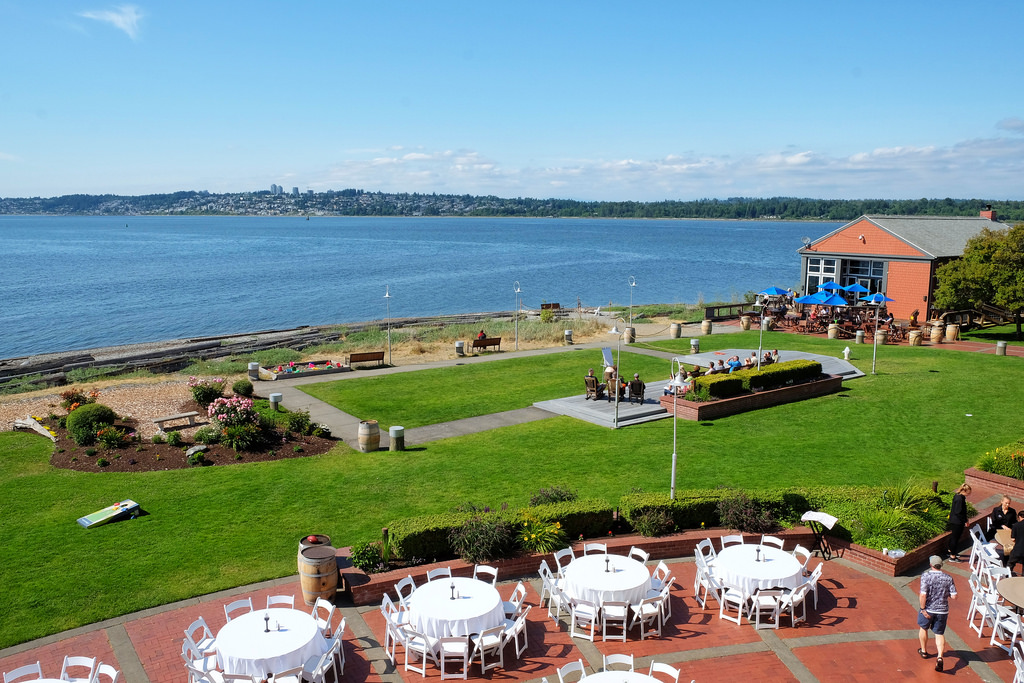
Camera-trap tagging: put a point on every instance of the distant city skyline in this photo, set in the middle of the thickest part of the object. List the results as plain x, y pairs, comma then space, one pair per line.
602, 101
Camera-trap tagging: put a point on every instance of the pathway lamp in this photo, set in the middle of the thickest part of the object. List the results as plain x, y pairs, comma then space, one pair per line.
387, 301
632, 284
677, 383
515, 288
615, 378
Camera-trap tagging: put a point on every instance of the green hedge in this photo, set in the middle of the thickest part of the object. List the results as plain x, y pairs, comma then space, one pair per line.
427, 537
589, 517
720, 386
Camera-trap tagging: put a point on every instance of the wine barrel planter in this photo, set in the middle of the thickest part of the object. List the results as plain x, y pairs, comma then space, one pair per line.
318, 573
914, 337
369, 436
706, 326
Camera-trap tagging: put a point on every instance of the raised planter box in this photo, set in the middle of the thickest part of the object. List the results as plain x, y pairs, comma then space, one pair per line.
710, 410
1008, 485
302, 370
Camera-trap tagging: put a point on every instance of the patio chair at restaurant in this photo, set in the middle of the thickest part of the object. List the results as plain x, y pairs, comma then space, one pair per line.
515, 628
292, 675
812, 580
405, 589
454, 649
704, 581
281, 600
485, 573
661, 575
621, 662
439, 573
584, 614
646, 613
106, 673
706, 550
639, 554
563, 558
395, 622
772, 540
323, 612
803, 555
569, 669
214, 676
982, 605
666, 600
316, 668
595, 548
514, 604
558, 601
339, 635
238, 606
80, 663
491, 642
195, 661
764, 602
728, 599
593, 388
665, 670
616, 613
1018, 666
201, 637
795, 600
1007, 626
731, 539
547, 580
636, 391
419, 647
27, 672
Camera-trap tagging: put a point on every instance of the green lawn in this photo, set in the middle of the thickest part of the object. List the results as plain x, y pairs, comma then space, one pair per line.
212, 528
990, 335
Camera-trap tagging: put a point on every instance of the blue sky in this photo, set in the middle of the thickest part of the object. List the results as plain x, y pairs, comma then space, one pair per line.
582, 100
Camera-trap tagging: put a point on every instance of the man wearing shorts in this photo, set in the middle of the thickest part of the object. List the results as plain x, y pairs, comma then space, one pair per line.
936, 590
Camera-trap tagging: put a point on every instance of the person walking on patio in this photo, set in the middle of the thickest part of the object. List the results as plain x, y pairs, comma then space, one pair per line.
936, 590
957, 520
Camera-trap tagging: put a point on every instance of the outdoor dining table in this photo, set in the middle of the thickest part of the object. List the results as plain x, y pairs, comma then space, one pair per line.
475, 608
738, 567
244, 646
621, 579
1012, 590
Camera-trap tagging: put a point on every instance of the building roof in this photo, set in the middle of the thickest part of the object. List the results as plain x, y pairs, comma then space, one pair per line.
936, 236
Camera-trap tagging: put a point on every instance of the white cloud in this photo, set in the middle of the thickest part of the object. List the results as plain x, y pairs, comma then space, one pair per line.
1012, 124
4, 156
125, 17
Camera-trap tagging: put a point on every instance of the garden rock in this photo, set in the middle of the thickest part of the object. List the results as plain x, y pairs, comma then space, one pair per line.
201, 448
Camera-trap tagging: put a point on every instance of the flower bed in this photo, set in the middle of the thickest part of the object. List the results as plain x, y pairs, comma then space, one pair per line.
710, 410
317, 367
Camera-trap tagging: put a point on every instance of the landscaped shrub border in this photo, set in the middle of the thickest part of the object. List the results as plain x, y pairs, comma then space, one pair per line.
710, 410
768, 377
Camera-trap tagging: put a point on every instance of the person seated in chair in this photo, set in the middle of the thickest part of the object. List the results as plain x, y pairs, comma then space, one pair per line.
481, 335
600, 386
637, 388
775, 355
734, 364
766, 359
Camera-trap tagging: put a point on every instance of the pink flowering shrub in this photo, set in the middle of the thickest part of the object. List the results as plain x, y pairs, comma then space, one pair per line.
204, 391
228, 412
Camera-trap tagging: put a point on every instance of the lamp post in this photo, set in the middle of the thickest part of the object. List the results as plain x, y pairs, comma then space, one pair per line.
515, 288
877, 299
387, 301
760, 335
632, 284
615, 378
676, 384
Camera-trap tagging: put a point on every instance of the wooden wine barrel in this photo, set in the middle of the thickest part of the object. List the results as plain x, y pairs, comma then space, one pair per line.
369, 436
318, 573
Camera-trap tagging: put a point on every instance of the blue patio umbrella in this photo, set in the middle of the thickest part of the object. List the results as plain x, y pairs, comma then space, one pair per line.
775, 291
830, 285
876, 298
857, 288
809, 299
834, 300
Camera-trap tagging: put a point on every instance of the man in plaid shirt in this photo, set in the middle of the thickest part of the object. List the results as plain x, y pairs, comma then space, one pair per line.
936, 590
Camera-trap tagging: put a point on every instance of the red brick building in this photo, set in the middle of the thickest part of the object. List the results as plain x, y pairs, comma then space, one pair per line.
895, 255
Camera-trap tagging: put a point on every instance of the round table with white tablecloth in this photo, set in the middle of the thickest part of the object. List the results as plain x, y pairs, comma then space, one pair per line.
738, 567
476, 608
243, 647
626, 579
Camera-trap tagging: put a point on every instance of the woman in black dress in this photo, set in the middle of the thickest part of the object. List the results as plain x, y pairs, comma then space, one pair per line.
1003, 517
957, 520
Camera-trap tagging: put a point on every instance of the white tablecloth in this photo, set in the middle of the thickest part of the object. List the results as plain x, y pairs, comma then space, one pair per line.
619, 677
736, 567
628, 580
478, 607
243, 647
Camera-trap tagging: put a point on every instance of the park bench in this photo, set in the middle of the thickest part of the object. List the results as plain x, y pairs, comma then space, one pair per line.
552, 307
365, 357
489, 341
190, 416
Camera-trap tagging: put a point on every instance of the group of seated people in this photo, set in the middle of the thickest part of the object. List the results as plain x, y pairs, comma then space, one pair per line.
721, 367
611, 379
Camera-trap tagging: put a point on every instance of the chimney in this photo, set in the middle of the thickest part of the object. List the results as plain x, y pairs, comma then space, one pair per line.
988, 213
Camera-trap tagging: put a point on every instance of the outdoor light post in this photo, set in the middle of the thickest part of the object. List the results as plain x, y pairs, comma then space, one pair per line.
515, 288
676, 384
632, 284
615, 378
760, 335
387, 301
877, 299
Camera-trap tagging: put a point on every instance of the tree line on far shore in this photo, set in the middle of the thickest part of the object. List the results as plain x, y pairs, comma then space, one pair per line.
352, 202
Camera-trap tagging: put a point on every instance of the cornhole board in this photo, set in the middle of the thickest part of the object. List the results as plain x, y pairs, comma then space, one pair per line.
108, 514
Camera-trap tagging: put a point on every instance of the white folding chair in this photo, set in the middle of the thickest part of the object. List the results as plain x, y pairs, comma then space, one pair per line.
618, 661
490, 641
764, 602
732, 539
281, 600
29, 671
660, 575
1007, 626
1018, 666
665, 669
562, 559
486, 573
198, 665
790, 602
515, 601
323, 612
558, 601
728, 598
706, 550
702, 582
454, 649
639, 554
419, 646
982, 605
569, 669
614, 612
317, 667
405, 589
803, 555
595, 549
106, 673
339, 635
293, 675
647, 613
238, 606
201, 637
395, 622
78, 662
440, 572
585, 614
515, 628
547, 581
772, 540
813, 581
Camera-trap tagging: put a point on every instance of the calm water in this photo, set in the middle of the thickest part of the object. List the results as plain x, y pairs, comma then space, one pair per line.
82, 282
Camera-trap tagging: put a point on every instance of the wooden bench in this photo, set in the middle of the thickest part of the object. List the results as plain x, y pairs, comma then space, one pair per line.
365, 357
551, 307
190, 416
489, 341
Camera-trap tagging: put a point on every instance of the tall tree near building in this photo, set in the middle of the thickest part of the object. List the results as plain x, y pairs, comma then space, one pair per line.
990, 271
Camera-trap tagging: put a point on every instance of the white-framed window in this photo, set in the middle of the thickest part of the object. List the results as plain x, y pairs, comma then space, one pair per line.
819, 270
